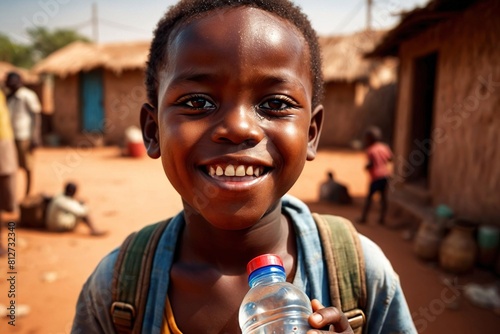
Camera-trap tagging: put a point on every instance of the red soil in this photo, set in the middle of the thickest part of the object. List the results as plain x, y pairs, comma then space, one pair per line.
125, 194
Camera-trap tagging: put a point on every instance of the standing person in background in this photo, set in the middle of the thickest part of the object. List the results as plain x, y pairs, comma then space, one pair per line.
25, 108
8, 165
379, 155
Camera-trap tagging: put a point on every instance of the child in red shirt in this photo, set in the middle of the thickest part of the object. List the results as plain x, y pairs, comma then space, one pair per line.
379, 155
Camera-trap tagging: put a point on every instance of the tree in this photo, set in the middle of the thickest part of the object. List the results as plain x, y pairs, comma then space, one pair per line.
17, 54
44, 42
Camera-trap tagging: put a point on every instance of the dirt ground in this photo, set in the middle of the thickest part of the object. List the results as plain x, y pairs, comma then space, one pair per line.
125, 193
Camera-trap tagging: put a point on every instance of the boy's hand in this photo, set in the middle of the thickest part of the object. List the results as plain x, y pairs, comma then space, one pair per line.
329, 318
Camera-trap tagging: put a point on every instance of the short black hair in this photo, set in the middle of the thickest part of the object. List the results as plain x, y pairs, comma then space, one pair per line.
70, 189
13, 75
186, 9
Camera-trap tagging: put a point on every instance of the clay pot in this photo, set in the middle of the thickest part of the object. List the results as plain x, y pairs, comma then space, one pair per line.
428, 240
458, 250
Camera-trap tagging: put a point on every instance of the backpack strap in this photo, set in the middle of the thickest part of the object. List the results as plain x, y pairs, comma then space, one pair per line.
131, 278
346, 267
341, 247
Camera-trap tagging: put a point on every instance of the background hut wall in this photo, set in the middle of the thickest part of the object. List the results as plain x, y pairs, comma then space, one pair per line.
339, 126
464, 168
66, 117
358, 91
124, 95
350, 107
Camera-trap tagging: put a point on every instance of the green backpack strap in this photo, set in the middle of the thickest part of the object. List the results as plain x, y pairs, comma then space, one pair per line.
346, 267
131, 278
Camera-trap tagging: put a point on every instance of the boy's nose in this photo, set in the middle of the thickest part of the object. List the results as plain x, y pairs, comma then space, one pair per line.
237, 126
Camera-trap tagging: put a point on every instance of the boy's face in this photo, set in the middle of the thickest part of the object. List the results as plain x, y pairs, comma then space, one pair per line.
234, 124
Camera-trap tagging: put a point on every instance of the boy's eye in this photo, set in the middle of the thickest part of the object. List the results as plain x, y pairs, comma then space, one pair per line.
278, 104
196, 102
199, 103
274, 104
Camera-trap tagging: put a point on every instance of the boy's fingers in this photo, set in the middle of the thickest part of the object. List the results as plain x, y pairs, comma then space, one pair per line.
316, 305
324, 317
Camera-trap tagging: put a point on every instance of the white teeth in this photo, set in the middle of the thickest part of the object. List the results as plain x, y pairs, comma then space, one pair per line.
229, 170
240, 171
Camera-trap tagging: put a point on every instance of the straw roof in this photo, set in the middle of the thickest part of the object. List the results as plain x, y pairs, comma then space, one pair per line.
416, 21
27, 76
81, 56
343, 55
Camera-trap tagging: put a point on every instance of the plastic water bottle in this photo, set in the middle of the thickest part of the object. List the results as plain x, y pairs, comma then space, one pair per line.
272, 305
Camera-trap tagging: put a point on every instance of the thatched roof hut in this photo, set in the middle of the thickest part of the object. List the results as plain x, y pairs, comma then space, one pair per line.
344, 56
447, 119
83, 57
358, 91
98, 89
350, 80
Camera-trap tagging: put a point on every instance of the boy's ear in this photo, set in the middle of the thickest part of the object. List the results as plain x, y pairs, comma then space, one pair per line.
315, 131
149, 126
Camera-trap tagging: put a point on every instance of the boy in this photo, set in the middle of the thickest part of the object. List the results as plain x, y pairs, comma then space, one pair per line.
379, 155
234, 112
64, 212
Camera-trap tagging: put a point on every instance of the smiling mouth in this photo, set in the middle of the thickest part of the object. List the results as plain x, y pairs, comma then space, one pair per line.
235, 170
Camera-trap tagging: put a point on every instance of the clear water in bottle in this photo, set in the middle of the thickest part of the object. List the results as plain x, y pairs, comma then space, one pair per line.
272, 305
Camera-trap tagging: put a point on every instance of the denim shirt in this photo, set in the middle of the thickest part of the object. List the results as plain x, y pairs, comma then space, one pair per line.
387, 311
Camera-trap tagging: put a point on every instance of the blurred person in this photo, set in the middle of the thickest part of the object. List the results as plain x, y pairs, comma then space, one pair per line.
25, 109
333, 191
64, 212
8, 165
379, 155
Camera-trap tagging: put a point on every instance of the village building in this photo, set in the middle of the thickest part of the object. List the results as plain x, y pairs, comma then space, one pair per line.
447, 126
359, 92
98, 90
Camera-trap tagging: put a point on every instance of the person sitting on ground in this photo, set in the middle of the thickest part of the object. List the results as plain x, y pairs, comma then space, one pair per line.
332, 191
64, 212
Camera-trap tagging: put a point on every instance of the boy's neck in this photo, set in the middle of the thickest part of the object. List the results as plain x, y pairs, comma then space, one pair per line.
231, 250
